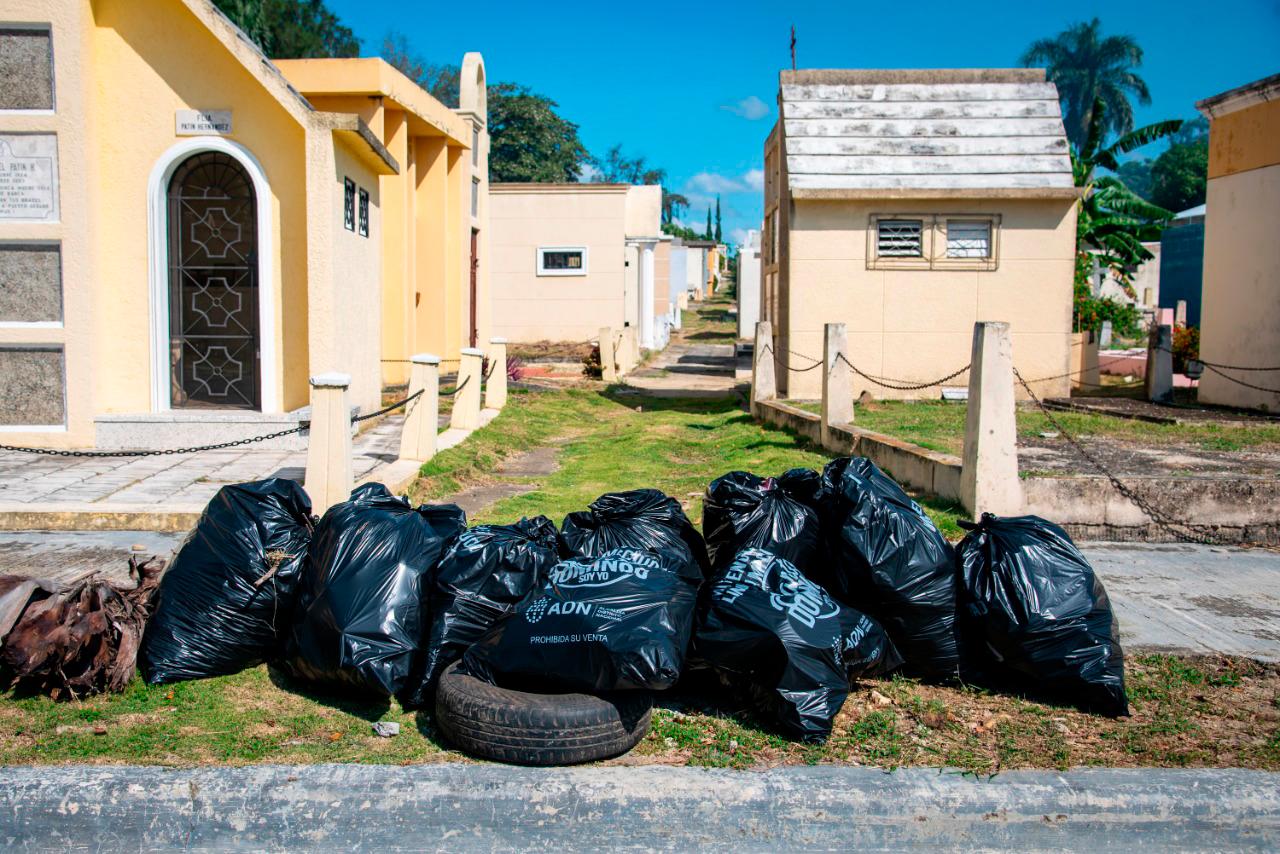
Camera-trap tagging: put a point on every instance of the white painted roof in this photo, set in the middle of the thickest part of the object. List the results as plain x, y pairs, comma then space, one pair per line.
900, 130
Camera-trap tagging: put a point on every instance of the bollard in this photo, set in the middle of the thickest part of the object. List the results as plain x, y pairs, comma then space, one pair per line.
329, 477
676, 319
1159, 379
608, 357
466, 403
837, 380
1180, 313
629, 350
1086, 366
989, 474
764, 384
422, 416
1105, 338
495, 387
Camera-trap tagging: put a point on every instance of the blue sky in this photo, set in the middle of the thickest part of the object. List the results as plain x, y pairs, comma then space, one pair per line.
693, 87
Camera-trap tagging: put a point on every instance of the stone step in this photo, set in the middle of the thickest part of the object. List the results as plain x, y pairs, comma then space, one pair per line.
189, 428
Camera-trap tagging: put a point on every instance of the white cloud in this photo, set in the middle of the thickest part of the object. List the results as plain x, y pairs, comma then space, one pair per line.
754, 179
738, 236
589, 174
712, 183
750, 108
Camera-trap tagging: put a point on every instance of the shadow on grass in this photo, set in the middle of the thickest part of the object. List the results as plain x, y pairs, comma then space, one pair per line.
632, 397
360, 707
712, 336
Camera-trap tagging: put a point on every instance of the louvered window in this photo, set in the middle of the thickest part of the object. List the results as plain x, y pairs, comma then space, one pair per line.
899, 238
968, 238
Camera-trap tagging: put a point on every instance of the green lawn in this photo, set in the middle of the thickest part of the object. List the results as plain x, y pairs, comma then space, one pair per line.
939, 426
709, 322
1200, 712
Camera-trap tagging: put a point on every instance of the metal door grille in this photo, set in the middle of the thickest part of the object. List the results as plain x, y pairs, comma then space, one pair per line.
213, 285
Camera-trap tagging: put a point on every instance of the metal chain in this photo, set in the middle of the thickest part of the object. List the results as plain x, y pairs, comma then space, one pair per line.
1158, 517
459, 387
166, 452
1241, 382
901, 385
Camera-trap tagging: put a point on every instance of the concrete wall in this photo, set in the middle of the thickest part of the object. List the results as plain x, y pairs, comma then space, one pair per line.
918, 324
1182, 267
644, 211
749, 285
529, 307
1240, 314
662, 298
679, 276
357, 269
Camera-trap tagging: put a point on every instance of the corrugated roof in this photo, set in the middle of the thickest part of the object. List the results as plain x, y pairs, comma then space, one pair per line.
926, 130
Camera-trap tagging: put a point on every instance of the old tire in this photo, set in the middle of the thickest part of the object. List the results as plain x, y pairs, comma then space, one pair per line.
538, 729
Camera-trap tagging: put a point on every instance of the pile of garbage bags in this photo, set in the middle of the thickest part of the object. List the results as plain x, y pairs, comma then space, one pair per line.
804, 583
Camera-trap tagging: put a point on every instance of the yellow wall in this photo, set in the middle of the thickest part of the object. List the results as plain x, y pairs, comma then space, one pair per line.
918, 324
142, 73
1244, 140
357, 268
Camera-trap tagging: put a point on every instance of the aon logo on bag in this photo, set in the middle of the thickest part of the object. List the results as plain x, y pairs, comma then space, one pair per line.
548, 606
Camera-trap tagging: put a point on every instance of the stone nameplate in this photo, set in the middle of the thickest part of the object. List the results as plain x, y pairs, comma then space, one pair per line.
202, 122
28, 177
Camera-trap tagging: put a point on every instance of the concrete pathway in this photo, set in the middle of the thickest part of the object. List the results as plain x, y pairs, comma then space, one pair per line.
1168, 598
474, 807
41, 491
688, 370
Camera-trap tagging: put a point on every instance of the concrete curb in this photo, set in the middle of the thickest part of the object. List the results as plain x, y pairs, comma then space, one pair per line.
98, 517
486, 807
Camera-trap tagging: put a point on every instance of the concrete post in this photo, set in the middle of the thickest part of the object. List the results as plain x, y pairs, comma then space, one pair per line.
329, 477
629, 350
495, 388
1087, 366
422, 416
1106, 334
764, 384
466, 403
1180, 313
989, 476
608, 356
1159, 379
837, 380
646, 293
677, 320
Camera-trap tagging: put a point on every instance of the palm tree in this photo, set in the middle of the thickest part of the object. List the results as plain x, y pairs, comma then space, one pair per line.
1086, 67
1113, 220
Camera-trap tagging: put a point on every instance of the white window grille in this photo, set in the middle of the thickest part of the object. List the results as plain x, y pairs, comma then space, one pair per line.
968, 238
899, 238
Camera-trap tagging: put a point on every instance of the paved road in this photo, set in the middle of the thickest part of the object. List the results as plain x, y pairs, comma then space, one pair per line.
494, 808
1179, 598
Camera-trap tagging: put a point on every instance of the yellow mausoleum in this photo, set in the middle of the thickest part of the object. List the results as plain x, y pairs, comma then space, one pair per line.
189, 231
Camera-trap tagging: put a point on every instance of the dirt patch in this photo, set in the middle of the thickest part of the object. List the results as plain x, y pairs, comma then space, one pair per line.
1225, 607
1177, 413
1052, 453
513, 476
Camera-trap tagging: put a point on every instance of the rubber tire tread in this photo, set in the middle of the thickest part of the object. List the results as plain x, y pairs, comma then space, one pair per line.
523, 728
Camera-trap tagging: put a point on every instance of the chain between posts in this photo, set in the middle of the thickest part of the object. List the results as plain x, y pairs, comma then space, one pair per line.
459, 387
166, 452
1158, 517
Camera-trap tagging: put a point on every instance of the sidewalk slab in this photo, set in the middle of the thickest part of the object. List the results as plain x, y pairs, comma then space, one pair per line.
458, 807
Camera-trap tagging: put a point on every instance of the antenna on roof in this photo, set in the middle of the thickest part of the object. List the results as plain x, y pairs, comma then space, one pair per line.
793, 47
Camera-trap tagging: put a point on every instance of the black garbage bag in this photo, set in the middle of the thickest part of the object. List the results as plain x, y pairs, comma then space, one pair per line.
769, 630
620, 621
887, 558
1034, 614
643, 519
359, 620
227, 599
483, 575
743, 510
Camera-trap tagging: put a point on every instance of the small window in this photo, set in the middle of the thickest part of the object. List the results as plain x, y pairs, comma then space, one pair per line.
364, 212
349, 204
562, 261
968, 238
900, 238
475, 197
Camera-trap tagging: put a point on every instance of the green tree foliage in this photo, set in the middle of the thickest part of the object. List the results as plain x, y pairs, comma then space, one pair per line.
1136, 175
442, 81
707, 235
680, 231
529, 140
1179, 176
719, 238
292, 29
617, 168
673, 204
1112, 219
1090, 311
1089, 68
